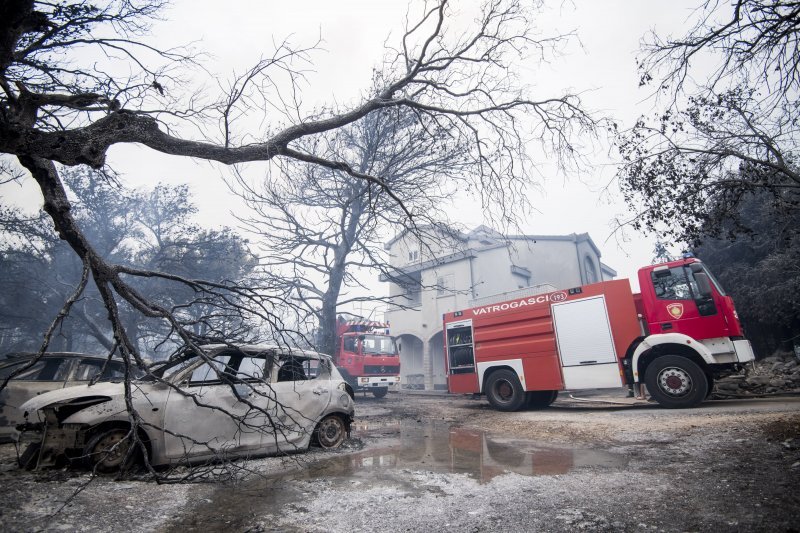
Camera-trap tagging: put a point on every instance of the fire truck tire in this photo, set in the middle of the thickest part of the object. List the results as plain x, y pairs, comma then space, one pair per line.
540, 399
676, 382
380, 392
504, 391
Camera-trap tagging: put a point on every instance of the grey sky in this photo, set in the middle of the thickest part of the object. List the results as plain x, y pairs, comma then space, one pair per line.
238, 33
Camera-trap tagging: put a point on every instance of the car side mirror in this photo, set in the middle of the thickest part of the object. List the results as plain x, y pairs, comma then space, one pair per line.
703, 284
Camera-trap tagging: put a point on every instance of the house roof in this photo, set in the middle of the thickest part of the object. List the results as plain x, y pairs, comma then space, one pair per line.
454, 232
495, 235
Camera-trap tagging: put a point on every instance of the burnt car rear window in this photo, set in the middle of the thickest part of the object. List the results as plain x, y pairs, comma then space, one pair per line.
47, 369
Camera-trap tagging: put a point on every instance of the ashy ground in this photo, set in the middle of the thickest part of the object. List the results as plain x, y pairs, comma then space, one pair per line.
450, 463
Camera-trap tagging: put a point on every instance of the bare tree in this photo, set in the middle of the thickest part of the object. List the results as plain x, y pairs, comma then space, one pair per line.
58, 107
756, 40
731, 135
322, 228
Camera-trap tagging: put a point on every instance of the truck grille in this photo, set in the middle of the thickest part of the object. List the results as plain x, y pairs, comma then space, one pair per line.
381, 369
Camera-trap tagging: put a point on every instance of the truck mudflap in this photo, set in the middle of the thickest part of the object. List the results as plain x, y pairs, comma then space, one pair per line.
369, 382
744, 350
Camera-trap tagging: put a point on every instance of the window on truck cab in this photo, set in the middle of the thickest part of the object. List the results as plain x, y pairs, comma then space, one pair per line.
673, 285
350, 344
678, 283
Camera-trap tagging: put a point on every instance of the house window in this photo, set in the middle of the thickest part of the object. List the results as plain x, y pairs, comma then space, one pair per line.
444, 285
413, 255
413, 294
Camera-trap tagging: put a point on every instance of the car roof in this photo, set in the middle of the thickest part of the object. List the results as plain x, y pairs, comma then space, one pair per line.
260, 348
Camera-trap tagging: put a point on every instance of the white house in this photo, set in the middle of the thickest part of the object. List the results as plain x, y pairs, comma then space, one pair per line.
444, 272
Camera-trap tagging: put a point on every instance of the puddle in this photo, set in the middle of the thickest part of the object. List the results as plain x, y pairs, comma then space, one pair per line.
395, 449
439, 447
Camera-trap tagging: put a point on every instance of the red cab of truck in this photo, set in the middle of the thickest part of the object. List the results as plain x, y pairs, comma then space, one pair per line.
366, 355
674, 336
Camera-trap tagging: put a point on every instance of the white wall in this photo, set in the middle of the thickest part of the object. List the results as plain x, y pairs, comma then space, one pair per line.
485, 271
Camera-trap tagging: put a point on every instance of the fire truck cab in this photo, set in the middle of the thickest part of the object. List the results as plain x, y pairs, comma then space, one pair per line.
674, 336
366, 355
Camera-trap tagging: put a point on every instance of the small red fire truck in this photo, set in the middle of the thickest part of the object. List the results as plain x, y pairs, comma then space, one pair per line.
674, 337
366, 355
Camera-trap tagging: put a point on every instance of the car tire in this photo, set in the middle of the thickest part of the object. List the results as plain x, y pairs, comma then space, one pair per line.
676, 382
106, 451
330, 432
380, 392
504, 391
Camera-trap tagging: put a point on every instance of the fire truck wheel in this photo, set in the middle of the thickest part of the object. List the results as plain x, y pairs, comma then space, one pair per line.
330, 432
676, 382
540, 399
504, 391
380, 392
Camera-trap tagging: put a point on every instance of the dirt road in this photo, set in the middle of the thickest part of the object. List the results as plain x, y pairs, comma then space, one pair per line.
426, 463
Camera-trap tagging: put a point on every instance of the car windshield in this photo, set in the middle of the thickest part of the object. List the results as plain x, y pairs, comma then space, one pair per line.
379, 344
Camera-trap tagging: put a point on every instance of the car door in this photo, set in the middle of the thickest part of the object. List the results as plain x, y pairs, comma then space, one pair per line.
302, 389
220, 408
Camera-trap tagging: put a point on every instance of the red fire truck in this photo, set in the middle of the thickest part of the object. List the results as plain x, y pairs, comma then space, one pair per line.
674, 337
366, 355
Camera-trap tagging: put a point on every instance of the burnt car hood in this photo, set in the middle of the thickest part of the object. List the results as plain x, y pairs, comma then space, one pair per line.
109, 389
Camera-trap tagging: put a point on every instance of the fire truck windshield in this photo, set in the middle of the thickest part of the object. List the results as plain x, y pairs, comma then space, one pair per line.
379, 344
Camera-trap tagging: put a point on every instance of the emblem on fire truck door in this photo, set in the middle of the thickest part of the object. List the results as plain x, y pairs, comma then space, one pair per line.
675, 310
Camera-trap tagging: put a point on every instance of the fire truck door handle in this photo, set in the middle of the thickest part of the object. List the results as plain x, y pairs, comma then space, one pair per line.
666, 325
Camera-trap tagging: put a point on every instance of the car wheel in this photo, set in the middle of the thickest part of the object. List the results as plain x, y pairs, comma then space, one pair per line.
107, 450
380, 392
330, 432
540, 399
676, 382
504, 391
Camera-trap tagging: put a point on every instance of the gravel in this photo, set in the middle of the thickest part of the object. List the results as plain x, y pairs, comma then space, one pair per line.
445, 463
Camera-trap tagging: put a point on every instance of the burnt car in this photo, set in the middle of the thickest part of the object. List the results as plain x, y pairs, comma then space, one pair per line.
53, 370
221, 402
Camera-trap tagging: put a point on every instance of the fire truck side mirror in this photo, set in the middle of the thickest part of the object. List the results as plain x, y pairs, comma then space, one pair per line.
703, 284
399, 347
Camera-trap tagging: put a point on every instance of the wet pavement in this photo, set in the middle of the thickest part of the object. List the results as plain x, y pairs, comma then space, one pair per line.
439, 447
401, 447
